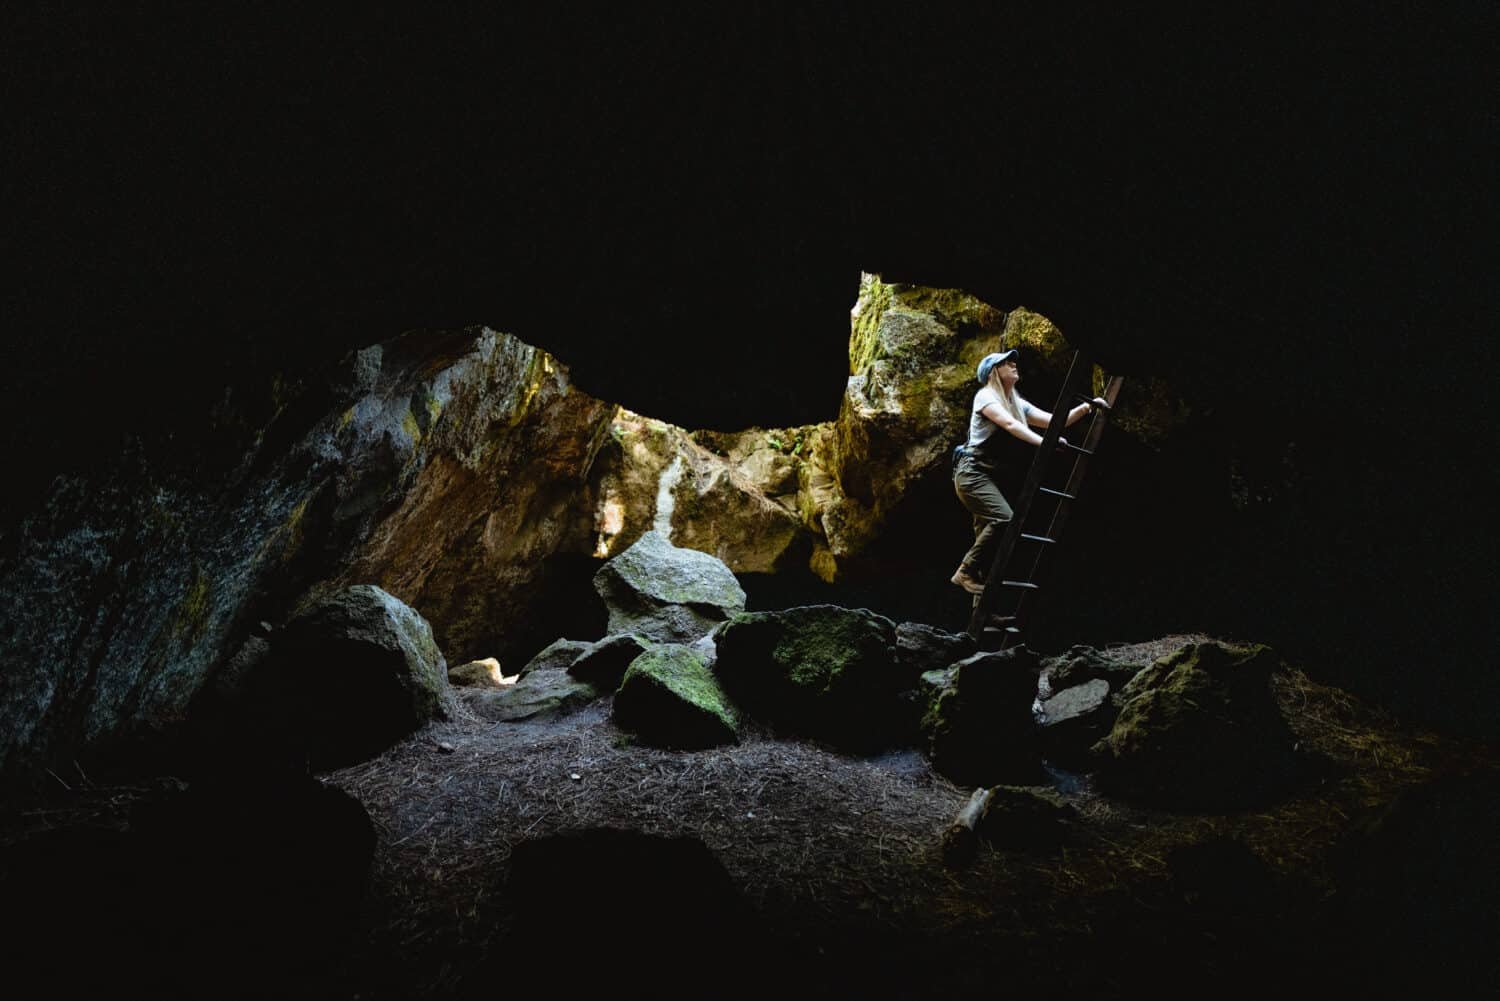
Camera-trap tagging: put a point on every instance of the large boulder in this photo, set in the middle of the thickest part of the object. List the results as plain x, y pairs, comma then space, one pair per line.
353, 673
664, 593
669, 698
821, 670
978, 727
1200, 729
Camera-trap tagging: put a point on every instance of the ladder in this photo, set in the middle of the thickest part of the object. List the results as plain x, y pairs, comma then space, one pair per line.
1012, 579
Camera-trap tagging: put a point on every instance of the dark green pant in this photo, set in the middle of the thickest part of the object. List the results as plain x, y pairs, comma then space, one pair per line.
974, 482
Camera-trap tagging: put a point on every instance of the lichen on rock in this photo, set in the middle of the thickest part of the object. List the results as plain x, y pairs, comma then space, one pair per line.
669, 698
1200, 727
822, 670
978, 726
667, 593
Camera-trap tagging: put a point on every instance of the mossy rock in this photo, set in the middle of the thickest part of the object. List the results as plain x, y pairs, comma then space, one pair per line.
1027, 818
978, 726
669, 698
1200, 728
820, 670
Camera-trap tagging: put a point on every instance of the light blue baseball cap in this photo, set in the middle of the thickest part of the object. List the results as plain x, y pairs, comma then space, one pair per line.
988, 362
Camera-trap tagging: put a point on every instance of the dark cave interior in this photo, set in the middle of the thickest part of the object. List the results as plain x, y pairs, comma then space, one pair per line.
1284, 215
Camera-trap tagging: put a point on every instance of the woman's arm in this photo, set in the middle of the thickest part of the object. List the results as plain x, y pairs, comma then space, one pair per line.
1002, 419
1040, 418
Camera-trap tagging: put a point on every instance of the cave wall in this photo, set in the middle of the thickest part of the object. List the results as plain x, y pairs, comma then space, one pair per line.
1285, 215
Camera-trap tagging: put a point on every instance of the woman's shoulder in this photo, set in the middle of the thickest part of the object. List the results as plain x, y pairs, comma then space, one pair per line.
985, 397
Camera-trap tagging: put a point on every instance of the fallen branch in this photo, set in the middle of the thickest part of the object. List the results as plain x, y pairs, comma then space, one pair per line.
961, 839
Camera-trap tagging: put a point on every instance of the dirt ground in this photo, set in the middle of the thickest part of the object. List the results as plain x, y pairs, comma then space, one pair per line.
838, 859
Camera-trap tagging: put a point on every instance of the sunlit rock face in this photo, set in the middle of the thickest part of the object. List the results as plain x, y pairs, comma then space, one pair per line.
461, 472
443, 467
500, 486
823, 496
739, 506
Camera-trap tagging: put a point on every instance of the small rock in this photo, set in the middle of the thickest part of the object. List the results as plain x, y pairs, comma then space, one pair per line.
1026, 818
559, 653
483, 673
1073, 720
545, 694
603, 664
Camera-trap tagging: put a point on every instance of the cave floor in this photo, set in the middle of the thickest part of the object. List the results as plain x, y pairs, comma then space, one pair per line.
838, 858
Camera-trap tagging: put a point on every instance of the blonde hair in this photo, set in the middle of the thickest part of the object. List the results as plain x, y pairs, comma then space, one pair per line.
1009, 399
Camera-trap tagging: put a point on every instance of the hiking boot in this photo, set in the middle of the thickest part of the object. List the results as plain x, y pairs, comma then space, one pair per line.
962, 578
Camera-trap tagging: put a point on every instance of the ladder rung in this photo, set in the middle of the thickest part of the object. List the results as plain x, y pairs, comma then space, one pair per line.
1037, 538
1077, 448
1058, 493
1011, 630
1024, 585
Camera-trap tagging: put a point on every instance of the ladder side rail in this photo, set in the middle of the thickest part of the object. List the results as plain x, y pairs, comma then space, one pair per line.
1075, 483
986, 603
1080, 466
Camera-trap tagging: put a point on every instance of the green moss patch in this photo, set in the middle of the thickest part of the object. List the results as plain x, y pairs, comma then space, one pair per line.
669, 698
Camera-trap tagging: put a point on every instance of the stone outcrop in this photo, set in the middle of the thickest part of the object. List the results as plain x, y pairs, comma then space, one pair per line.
821, 670
665, 593
1199, 728
494, 486
669, 698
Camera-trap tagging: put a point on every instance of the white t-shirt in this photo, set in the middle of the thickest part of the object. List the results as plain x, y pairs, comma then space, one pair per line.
980, 426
